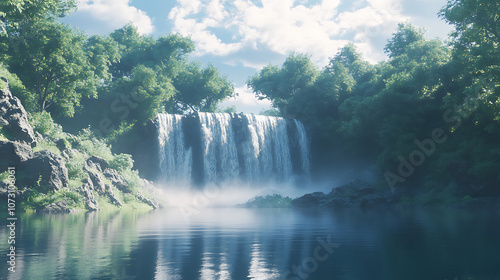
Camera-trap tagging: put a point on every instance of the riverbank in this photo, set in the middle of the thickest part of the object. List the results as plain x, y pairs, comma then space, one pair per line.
359, 194
44, 169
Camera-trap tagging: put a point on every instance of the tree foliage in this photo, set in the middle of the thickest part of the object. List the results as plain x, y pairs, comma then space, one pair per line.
385, 111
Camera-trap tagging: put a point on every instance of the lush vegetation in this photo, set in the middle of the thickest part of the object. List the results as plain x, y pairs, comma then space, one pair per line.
268, 201
109, 82
429, 116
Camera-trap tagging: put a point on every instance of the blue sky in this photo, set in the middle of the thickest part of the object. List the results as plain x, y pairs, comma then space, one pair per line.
240, 37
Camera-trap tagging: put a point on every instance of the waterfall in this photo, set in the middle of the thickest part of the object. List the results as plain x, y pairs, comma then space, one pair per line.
218, 147
175, 159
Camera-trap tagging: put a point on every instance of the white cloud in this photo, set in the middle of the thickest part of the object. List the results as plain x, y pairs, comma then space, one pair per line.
283, 26
114, 14
246, 101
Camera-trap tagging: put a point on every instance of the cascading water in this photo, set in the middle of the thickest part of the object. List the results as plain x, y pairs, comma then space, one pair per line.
217, 147
175, 159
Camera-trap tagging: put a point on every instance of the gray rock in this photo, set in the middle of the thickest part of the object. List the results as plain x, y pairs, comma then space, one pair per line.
353, 194
68, 154
13, 153
315, 199
86, 190
112, 196
117, 180
100, 163
150, 202
356, 188
14, 119
97, 181
47, 169
56, 208
62, 144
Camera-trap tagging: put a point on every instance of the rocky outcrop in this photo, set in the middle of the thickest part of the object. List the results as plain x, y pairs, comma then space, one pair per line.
117, 180
146, 200
14, 119
87, 191
354, 194
112, 196
153, 191
144, 150
46, 170
13, 153
56, 208
99, 163
97, 181
316, 199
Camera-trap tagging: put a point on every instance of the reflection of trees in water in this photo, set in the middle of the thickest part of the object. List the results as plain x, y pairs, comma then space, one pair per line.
258, 244
75, 246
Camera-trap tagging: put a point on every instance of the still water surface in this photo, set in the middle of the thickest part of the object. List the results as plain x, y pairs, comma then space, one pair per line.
257, 244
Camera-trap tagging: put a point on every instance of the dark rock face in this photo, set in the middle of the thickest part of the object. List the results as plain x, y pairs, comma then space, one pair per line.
117, 180
13, 153
145, 151
100, 163
86, 190
315, 199
112, 196
47, 167
56, 208
354, 194
14, 119
146, 200
97, 181
150, 188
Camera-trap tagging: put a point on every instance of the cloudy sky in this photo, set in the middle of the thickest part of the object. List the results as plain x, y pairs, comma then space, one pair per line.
240, 37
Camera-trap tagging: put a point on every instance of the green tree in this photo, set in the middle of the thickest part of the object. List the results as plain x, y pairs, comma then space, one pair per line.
102, 53
477, 56
405, 35
199, 89
52, 62
281, 85
14, 13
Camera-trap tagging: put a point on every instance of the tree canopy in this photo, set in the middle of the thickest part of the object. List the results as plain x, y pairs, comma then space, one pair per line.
388, 110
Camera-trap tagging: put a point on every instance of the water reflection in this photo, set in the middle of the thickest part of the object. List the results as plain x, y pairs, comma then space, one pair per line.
258, 244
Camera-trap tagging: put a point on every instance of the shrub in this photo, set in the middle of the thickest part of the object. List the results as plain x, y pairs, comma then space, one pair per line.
47, 144
63, 144
75, 166
33, 199
122, 162
43, 123
87, 142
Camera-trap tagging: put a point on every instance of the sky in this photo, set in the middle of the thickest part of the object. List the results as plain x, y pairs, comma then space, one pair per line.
240, 37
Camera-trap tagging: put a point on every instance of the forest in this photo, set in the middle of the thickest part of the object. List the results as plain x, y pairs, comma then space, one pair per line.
428, 116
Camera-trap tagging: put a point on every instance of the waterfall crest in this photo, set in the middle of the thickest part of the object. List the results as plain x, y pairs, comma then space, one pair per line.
218, 147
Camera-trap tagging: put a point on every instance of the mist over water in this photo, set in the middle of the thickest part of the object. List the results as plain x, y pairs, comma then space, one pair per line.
238, 155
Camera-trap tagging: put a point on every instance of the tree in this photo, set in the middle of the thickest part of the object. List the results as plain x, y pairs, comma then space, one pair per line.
52, 63
405, 35
14, 13
476, 52
102, 53
199, 89
168, 51
280, 85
